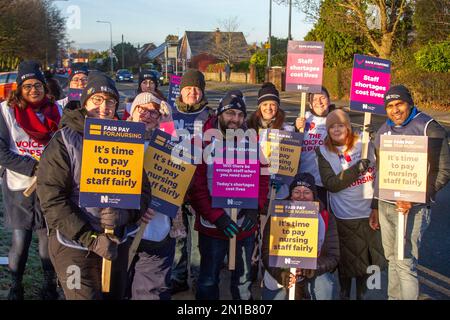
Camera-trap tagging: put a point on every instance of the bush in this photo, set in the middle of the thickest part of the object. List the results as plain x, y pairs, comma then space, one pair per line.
259, 59
216, 67
243, 66
434, 57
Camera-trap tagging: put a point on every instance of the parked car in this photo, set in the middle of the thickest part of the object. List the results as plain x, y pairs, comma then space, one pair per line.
159, 76
124, 75
7, 84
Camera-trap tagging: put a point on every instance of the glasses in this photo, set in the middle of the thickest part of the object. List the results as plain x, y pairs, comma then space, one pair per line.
83, 80
38, 86
304, 193
152, 113
98, 101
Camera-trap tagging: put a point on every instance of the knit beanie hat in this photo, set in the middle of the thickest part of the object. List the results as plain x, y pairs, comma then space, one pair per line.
268, 92
144, 98
147, 74
233, 99
338, 116
77, 70
29, 70
99, 83
304, 180
399, 92
193, 78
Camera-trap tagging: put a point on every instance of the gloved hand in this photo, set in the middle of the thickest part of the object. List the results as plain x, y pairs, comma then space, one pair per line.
275, 184
307, 273
113, 217
362, 165
227, 226
105, 245
371, 130
250, 218
287, 279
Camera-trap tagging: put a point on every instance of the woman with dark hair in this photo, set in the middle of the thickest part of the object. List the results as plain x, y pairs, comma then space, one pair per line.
148, 82
77, 80
28, 120
348, 177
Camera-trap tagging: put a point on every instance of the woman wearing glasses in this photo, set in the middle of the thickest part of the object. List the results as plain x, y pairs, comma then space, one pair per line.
28, 120
77, 80
76, 236
151, 268
148, 82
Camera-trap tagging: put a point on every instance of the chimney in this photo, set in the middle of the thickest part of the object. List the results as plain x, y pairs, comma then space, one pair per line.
217, 35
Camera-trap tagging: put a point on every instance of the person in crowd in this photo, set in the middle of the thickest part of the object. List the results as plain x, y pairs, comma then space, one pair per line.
28, 120
348, 177
54, 89
315, 132
77, 80
404, 118
189, 112
151, 268
316, 284
76, 234
215, 225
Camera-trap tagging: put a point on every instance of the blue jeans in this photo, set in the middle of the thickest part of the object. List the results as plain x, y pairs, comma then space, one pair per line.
319, 288
403, 283
212, 255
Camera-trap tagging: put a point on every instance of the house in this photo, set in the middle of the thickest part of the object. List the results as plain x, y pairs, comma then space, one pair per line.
199, 49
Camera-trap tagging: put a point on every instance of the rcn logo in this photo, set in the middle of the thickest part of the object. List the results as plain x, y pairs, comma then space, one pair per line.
230, 201
104, 199
287, 260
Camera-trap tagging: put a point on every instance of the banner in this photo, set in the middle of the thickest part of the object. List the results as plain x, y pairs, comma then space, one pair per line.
403, 168
112, 162
74, 94
294, 234
370, 80
169, 178
174, 89
235, 181
304, 67
282, 149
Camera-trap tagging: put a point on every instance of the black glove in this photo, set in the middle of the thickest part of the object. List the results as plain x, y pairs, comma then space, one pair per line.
362, 165
250, 218
113, 217
105, 245
227, 226
371, 130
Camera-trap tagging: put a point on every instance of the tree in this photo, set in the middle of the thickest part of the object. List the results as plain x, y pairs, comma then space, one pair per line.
130, 53
377, 20
431, 20
29, 29
227, 45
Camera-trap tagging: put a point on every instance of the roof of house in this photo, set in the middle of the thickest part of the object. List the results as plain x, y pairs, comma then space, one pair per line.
156, 52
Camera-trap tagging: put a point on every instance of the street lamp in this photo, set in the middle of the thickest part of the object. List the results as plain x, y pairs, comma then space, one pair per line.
111, 45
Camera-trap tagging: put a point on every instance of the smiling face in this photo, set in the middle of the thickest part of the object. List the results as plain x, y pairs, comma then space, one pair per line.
101, 106
398, 111
191, 95
231, 119
148, 114
320, 104
268, 109
302, 193
338, 133
33, 91
79, 81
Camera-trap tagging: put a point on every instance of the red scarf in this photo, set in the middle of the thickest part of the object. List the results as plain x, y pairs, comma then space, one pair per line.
40, 131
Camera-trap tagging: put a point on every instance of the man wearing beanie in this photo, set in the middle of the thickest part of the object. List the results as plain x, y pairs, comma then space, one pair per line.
190, 111
76, 234
77, 81
405, 119
214, 225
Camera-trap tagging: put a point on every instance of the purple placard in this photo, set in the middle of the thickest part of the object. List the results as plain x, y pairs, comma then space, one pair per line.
304, 66
370, 80
74, 94
174, 89
235, 185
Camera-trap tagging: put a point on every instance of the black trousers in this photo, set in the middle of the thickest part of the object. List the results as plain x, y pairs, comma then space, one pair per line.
80, 272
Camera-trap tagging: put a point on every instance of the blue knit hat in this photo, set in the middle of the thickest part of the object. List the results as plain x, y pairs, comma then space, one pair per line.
29, 70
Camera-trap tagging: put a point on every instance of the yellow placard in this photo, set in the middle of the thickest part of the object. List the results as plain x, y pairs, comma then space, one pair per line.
111, 167
294, 237
169, 179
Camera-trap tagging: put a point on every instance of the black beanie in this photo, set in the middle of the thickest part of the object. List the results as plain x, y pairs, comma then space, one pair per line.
147, 74
268, 92
305, 180
233, 99
193, 78
99, 83
77, 70
399, 92
29, 70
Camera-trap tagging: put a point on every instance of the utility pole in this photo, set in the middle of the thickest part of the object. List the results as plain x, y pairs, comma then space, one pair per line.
123, 56
290, 19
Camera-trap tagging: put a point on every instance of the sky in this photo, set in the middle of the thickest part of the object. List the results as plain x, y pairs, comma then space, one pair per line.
144, 21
